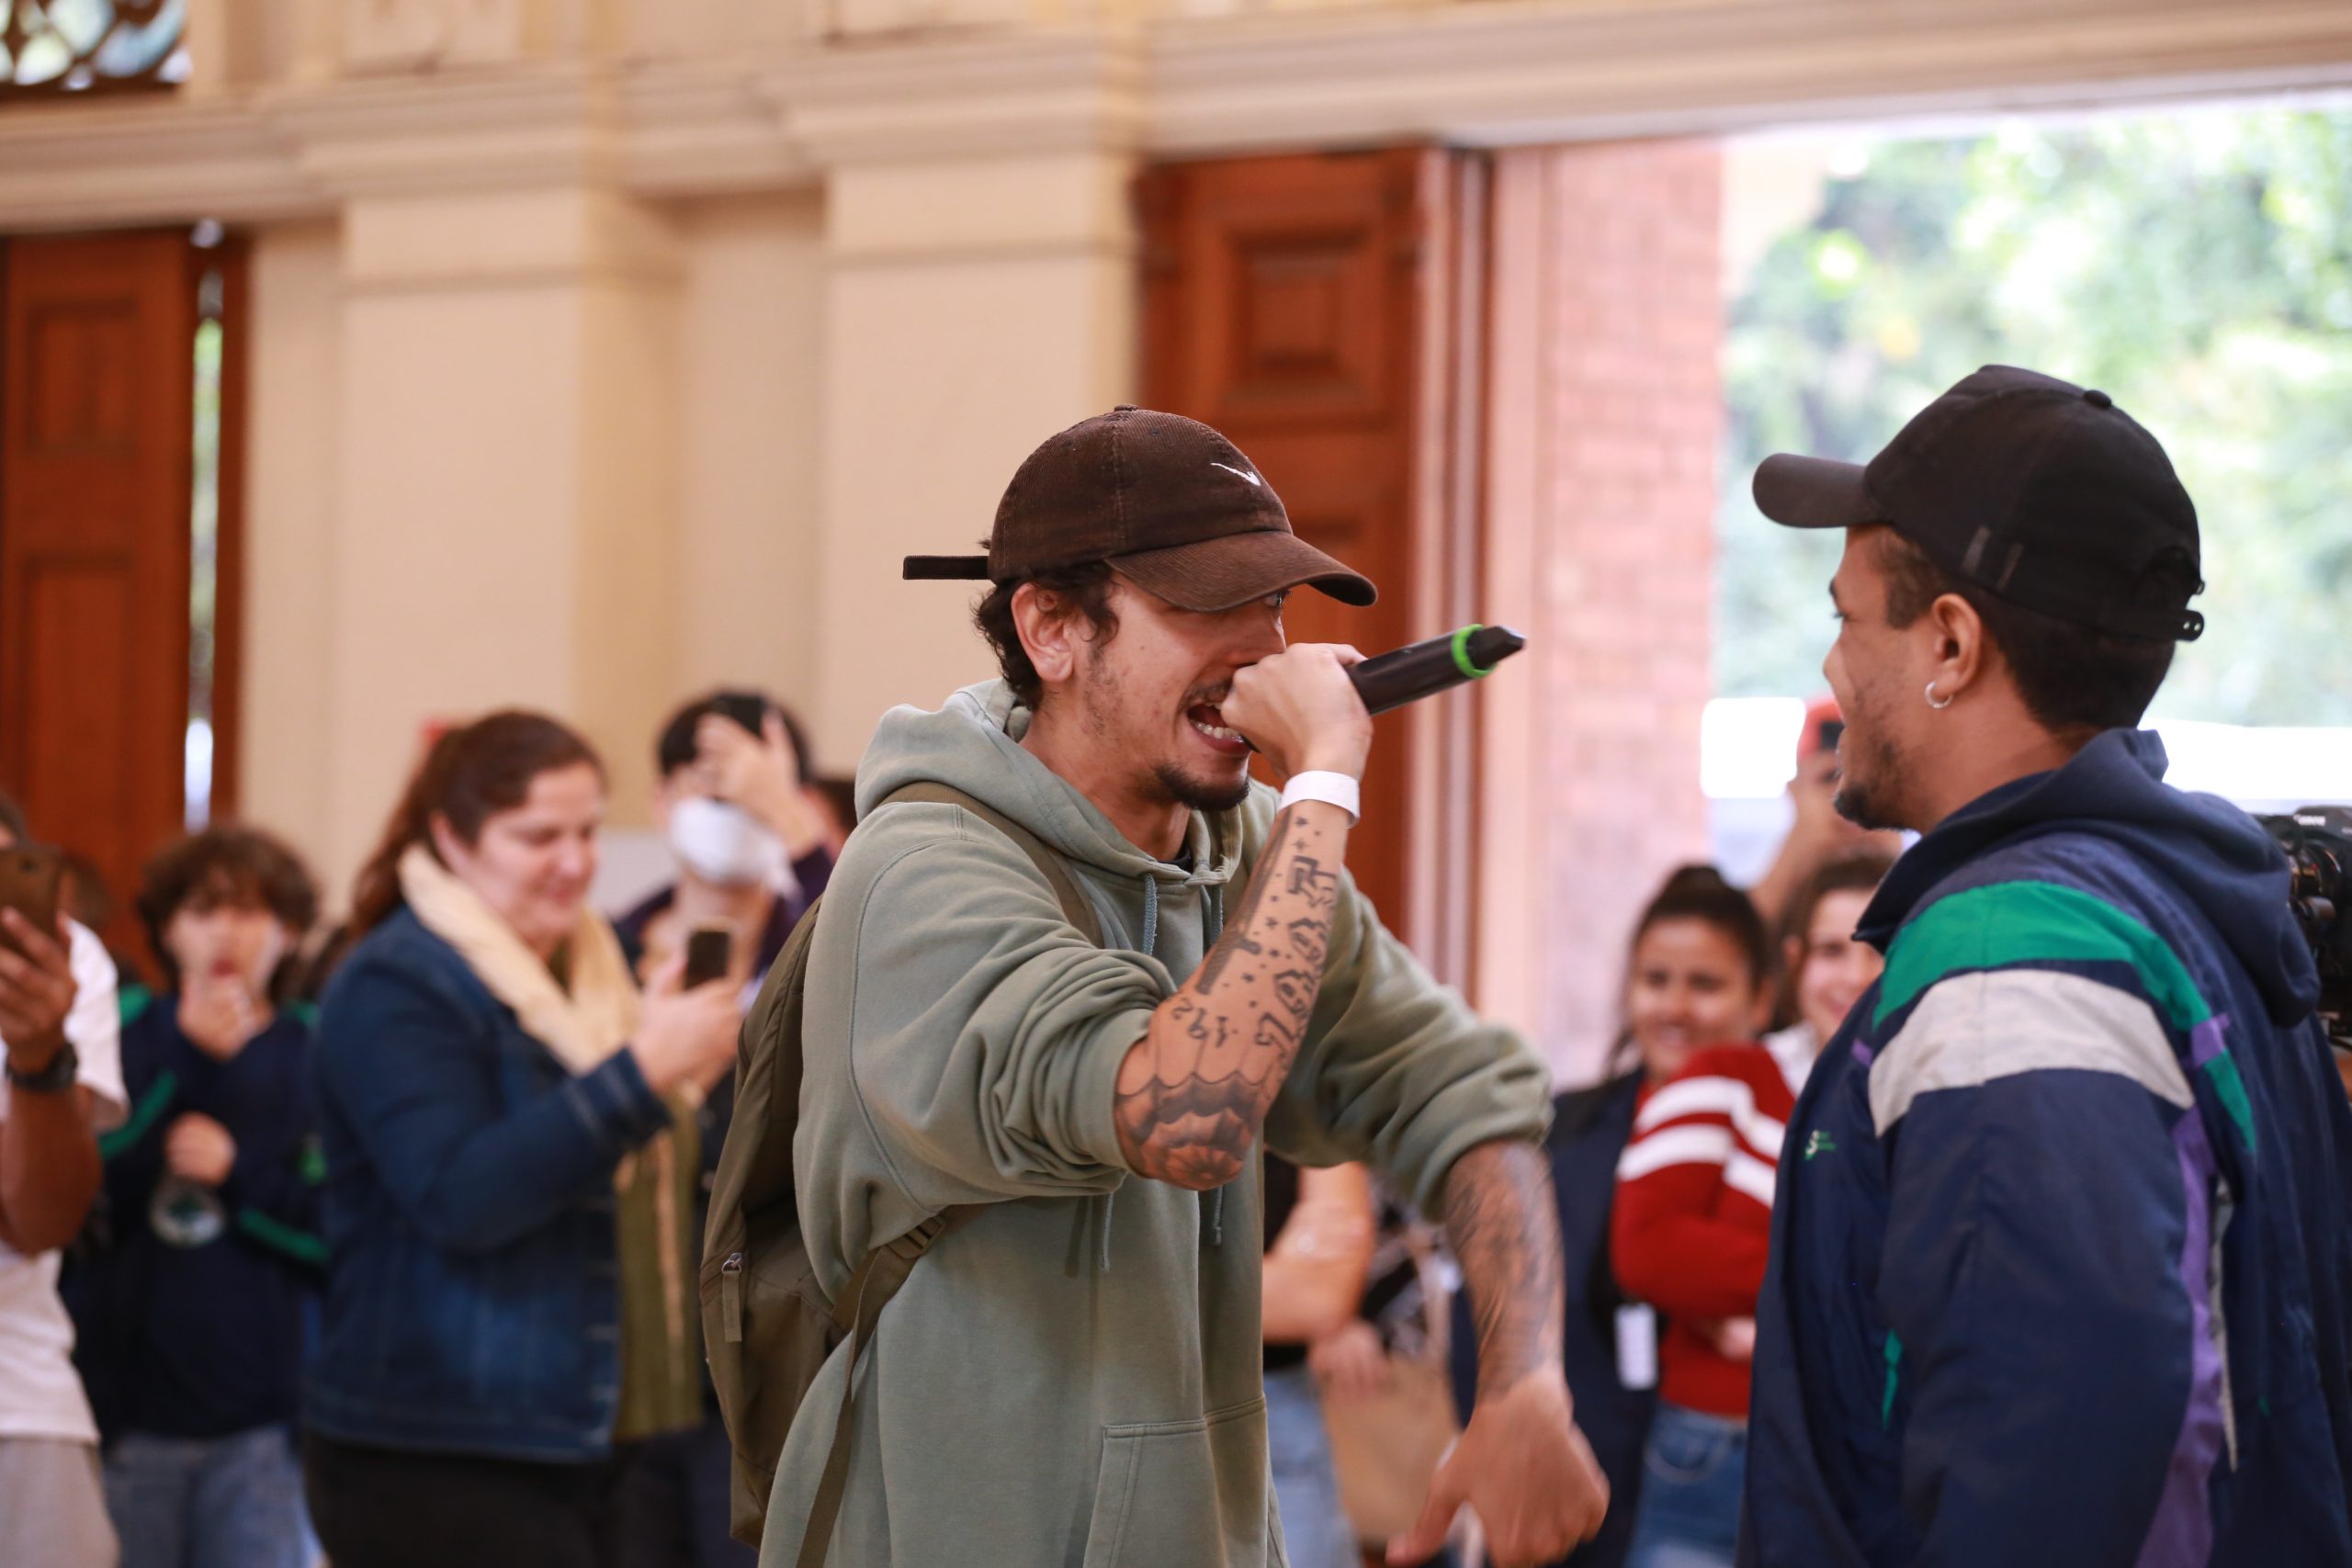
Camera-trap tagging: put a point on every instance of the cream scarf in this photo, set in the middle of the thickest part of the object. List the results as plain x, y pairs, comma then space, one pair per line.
584, 1027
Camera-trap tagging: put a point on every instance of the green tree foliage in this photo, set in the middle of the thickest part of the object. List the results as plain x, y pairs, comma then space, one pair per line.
2198, 266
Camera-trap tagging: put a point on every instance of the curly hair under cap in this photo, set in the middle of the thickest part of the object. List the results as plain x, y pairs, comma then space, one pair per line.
1084, 589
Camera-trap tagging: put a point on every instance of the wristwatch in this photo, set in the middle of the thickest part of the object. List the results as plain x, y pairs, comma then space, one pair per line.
54, 1079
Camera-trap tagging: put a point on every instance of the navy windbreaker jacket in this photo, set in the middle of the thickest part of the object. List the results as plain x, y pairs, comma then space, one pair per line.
2060, 1256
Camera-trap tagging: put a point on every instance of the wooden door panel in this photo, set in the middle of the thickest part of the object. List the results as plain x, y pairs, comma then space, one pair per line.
75, 689
1279, 305
95, 424
81, 379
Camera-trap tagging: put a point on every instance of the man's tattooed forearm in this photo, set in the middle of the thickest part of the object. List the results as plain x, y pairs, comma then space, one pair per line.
1235, 940
1308, 877
1504, 1227
1192, 1093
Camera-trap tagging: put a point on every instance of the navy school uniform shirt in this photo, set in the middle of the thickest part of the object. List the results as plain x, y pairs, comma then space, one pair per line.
2062, 1255
198, 1330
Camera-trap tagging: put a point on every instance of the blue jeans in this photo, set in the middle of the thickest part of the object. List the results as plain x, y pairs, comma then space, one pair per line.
1692, 1476
1315, 1533
208, 1502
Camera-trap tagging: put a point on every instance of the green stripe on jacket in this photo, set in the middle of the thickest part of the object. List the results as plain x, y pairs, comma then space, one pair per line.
2007, 923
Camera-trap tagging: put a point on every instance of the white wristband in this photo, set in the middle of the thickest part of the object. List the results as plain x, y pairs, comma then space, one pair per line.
1332, 789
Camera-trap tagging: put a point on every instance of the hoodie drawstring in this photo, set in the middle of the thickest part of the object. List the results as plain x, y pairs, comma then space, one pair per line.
1214, 905
1151, 940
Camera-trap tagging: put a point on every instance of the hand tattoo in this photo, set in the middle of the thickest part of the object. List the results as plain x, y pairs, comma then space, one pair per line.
1194, 1092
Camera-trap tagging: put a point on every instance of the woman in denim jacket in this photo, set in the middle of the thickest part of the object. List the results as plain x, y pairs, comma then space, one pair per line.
508, 1134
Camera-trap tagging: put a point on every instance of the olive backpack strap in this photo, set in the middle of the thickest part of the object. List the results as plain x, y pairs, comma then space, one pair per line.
886, 1268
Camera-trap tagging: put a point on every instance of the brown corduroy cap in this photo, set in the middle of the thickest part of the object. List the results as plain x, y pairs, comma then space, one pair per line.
1163, 499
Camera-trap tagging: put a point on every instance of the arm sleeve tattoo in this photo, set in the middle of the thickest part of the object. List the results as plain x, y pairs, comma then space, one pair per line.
1504, 1226
1193, 1091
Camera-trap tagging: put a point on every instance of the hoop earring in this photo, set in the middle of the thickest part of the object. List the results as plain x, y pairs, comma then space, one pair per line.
1939, 703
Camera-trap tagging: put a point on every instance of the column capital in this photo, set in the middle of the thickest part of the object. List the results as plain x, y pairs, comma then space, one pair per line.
524, 125
552, 234
1036, 94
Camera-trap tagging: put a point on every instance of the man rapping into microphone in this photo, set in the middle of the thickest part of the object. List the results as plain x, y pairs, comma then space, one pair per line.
1071, 1375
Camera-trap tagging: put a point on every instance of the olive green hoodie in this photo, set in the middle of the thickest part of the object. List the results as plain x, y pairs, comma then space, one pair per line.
1073, 1378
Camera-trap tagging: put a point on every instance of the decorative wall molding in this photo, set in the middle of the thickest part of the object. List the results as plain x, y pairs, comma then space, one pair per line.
1040, 93
1519, 73
1492, 71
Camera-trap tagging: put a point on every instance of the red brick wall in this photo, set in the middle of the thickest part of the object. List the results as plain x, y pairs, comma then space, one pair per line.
1604, 411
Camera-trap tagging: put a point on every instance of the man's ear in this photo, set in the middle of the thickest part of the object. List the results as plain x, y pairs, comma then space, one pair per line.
1046, 635
1963, 654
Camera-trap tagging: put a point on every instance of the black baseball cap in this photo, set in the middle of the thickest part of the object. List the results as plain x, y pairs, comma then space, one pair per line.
1163, 499
2032, 489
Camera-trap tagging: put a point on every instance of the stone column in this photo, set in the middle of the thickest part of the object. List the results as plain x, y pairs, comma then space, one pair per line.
981, 296
502, 530
1605, 410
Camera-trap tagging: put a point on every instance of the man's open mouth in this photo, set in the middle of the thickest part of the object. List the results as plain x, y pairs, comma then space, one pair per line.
1209, 720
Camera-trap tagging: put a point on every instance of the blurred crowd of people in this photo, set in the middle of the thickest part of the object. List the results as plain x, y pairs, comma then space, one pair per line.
385, 1246
383, 1240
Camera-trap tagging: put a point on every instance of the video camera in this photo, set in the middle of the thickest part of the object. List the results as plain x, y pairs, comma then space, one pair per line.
2318, 842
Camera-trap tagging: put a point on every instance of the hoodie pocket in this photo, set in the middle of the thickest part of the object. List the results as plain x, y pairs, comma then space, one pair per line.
1183, 1494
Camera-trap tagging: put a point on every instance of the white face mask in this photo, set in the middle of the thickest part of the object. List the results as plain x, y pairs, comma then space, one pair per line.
721, 842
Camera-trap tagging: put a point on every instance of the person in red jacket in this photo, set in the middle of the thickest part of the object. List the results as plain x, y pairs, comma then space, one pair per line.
1692, 1227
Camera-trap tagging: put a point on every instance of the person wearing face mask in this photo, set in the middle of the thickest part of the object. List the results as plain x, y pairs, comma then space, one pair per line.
189, 1309
511, 1152
753, 845
753, 851
1692, 1220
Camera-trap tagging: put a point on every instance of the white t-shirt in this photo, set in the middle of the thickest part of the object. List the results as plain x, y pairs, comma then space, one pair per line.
41, 1394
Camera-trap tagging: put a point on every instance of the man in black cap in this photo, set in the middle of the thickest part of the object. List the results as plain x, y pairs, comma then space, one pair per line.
2061, 1250
1071, 1375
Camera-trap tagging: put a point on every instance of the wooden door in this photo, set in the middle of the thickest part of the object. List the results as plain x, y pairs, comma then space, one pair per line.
95, 432
1287, 302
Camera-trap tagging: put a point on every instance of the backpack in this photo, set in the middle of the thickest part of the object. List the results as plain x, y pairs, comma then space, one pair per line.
767, 1326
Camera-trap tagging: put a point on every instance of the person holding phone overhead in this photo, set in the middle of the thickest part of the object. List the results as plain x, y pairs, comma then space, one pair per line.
62, 1086
510, 1150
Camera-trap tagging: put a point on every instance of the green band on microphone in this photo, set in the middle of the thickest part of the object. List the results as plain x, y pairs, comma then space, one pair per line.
1462, 660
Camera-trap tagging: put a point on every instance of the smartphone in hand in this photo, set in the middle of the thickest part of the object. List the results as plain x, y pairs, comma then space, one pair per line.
31, 879
709, 950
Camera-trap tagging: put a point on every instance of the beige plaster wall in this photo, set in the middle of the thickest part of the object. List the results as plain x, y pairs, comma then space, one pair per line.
293, 416
521, 450
973, 309
751, 326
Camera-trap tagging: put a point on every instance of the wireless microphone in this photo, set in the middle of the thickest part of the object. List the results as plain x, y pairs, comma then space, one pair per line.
1407, 674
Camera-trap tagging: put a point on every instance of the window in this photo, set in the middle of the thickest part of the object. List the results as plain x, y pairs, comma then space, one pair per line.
48, 47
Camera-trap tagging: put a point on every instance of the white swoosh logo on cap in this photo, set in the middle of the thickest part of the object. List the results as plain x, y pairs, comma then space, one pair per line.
1231, 470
